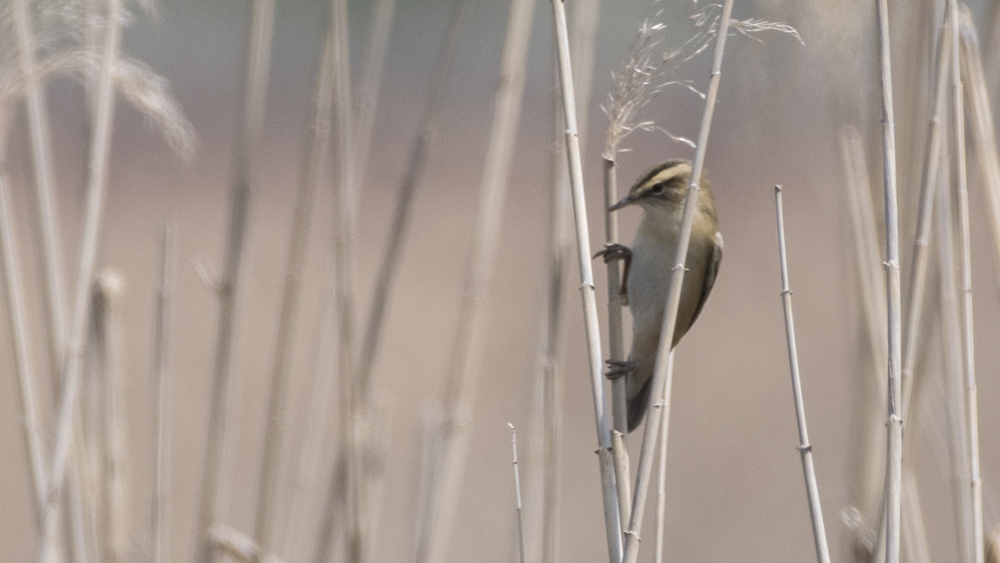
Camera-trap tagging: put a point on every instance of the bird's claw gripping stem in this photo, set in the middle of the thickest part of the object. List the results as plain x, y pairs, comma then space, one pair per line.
618, 368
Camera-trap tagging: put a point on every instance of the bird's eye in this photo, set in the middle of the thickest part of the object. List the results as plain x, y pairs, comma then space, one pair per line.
657, 189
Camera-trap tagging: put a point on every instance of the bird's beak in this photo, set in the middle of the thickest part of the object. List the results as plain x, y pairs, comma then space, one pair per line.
625, 201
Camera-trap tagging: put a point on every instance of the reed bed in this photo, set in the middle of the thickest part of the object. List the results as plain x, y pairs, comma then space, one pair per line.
327, 435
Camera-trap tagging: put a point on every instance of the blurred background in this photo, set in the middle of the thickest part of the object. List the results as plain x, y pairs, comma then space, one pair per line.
734, 481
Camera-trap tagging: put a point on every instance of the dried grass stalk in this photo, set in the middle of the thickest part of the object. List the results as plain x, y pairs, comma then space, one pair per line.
894, 455
42, 160
318, 146
661, 484
160, 360
968, 352
592, 328
466, 360
100, 142
23, 368
929, 177
248, 137
673, 296
805, 448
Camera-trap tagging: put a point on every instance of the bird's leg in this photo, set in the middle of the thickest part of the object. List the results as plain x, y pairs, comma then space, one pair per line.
618, 252
618, 368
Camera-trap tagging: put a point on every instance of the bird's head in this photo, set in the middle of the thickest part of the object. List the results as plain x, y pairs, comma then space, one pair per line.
664, 185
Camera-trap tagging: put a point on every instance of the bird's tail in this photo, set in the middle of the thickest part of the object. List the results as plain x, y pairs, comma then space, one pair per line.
637, 405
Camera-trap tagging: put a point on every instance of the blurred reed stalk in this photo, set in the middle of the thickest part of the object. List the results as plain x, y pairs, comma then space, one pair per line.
673, 296
99, 149
592, 328
42, 160
466, 360
160, 368
48, 232
107, 338
971, 401
544, 445
239, 546
952, 345
869, 448
367, 102
23, 368
894, 424
805, 448
343, 268
981, 118
929, 177
365, 110
318, 145
248, 138
661, 484
915, 535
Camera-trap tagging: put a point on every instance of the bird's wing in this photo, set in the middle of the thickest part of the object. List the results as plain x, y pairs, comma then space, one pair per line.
711, 272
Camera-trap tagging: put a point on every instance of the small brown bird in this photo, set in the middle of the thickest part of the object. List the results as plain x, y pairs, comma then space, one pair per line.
660, 192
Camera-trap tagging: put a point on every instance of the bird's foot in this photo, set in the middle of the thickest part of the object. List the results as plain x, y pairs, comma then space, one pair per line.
618, 252
618, 368
614, 252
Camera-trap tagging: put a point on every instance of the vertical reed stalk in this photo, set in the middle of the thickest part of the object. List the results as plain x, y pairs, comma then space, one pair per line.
23, 368
466, 360
592, 328
674, 295
915, 534
100, 143
894, 438
160, 523
661, 484
616, 345
869, 445
918, 269
981, 118
585, 18
971, 401
805, 448
319, 141
41, 155
551, 380
248, 137
952, 344
107, 332
343, 258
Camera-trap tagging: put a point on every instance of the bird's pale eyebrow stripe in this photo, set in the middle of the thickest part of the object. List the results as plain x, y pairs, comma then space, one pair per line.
664, 172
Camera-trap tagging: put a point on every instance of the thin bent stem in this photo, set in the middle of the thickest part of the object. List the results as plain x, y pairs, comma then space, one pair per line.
592, 328
674, 295
466, 368
805, 448
100, 143
968, 345
256, 70
517, 491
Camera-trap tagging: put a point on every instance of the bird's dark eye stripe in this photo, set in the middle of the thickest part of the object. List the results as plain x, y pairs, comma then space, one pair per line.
657, 188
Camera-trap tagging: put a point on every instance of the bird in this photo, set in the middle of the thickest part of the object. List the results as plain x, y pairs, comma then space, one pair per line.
661, 192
